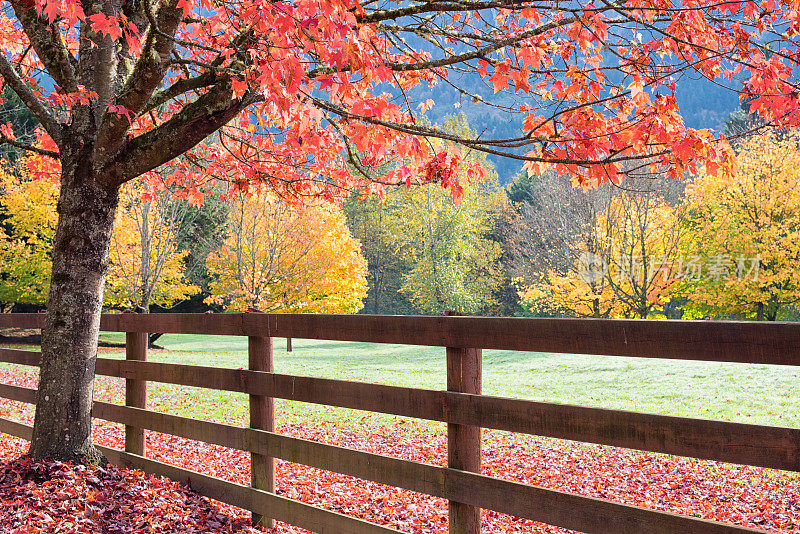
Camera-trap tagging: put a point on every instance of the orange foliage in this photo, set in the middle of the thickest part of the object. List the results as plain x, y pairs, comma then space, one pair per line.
287, 258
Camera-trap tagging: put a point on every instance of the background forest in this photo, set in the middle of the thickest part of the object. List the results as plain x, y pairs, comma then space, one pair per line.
514, 243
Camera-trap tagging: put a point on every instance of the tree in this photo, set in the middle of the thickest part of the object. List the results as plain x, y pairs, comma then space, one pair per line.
453, 263
200, 233
606, 254
20, 123
744, 234
578, 292
428, 252
373, 222
287, 258
290, 94
146, 265
555, 223
639, 237
27, 208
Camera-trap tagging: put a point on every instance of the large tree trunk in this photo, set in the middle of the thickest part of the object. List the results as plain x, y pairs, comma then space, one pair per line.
86, 209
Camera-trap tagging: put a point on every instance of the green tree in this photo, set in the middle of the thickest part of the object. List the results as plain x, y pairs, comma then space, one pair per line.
22, 122
427, 252
374, 222
454, 264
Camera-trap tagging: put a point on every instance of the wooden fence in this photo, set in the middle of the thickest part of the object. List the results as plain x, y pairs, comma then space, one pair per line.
462, 406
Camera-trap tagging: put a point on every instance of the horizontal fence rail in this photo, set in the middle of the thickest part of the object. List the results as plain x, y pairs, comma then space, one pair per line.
725, 341
742, 443
467, 490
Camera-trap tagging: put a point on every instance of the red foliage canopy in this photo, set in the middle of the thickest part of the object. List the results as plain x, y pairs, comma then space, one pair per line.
310, 96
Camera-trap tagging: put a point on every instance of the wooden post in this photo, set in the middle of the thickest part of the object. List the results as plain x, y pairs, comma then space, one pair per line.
262, 417
288, 344
135, 390
464, 370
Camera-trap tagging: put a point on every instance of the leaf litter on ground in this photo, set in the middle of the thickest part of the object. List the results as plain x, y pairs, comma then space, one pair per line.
54, 497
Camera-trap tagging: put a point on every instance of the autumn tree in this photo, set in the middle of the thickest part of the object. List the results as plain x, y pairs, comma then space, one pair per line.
428, 252
638, 238
555, 224
582, 290
608, 253
281, 257
146, 266
744, 249
294, 94
453, 264
27, 209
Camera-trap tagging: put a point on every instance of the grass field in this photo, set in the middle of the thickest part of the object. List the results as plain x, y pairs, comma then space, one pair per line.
734, 392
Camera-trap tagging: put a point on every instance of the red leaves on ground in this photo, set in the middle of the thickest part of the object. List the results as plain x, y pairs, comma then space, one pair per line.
56, 497
754, 497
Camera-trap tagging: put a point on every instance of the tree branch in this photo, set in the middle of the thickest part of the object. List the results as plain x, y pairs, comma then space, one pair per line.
479, 144
30, 148
31, 101
184, 85
441, 7
147, 73
155, 59
136, 13
49, 45
453, 59
96, 67
195, 122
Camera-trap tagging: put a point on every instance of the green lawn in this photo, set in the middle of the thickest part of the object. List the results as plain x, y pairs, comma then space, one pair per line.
761, 394
734, 392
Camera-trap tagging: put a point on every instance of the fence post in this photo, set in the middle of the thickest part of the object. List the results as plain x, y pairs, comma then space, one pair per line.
262, 417
464, 370
135, 390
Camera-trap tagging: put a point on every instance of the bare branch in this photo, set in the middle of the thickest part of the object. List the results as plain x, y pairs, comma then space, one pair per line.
31, 101
30, 148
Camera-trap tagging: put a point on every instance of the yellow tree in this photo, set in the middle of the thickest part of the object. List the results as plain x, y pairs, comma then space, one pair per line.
27, 207
638, 238
744, 230
287, 258
146, 266
622, 259
583, 291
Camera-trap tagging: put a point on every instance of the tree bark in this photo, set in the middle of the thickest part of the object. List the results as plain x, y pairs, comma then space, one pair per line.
86, 208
